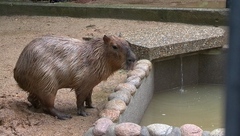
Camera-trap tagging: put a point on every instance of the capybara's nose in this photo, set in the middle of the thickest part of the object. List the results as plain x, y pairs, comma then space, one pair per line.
131, 60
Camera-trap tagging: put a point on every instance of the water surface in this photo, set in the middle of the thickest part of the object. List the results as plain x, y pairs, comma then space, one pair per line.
202, 105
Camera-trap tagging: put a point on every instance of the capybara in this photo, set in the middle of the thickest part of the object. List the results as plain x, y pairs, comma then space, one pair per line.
49, 63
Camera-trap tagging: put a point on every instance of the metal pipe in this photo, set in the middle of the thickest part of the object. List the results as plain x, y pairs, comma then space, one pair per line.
232, 121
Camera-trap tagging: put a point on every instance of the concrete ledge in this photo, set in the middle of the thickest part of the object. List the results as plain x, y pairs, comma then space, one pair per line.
171, 39
215, 17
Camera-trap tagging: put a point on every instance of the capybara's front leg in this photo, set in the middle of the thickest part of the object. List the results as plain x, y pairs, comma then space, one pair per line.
81, 110
81, 97
89, 100
33, 99
48, 106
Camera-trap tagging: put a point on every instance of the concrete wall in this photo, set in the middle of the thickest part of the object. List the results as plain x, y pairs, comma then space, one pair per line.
139, 102
212, 67
198, 68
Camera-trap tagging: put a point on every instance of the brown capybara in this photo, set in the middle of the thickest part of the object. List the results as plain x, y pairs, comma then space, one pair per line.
49, 63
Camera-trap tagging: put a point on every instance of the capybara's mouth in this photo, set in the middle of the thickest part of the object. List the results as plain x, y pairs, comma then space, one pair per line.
129, 66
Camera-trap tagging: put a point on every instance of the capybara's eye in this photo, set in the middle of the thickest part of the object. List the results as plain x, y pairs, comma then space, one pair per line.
115, 47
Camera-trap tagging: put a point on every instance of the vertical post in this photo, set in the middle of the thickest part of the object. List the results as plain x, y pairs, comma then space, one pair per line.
233, 72
228, 3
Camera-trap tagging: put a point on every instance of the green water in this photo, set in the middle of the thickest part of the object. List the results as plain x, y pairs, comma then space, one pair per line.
202, 105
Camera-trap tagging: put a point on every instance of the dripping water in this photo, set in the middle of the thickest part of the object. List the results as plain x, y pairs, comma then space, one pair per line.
181, 89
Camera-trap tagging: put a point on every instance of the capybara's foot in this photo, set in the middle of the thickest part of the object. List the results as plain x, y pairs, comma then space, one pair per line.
58, 114
89, 106
33, 99
82, 112
64, 116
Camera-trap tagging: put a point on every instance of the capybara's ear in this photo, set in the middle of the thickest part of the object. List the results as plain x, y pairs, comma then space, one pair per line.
120, 35
129, 43
106, 39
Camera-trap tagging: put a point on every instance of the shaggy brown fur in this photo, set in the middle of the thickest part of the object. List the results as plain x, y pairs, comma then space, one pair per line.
49, 63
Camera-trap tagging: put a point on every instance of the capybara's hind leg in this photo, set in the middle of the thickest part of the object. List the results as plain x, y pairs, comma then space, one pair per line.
88, 101
33, 99
48, 107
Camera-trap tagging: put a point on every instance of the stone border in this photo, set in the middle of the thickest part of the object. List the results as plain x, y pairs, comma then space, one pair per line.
215, 17
110, 123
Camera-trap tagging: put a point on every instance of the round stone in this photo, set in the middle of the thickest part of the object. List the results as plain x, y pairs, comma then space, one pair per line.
127, 129
144, 131
135, 80
218, 132
206, 133
101, 126
110, 113
111, 130
89, 132
145, 61
175, 132
126, 86
190, 130
159, 129
144, 67
137, 72
116, 104
122, 95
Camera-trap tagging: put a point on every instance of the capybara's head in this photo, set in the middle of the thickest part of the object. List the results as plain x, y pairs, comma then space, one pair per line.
119, 52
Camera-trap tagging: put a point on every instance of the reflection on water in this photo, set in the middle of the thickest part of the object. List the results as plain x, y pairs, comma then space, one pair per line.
201, 105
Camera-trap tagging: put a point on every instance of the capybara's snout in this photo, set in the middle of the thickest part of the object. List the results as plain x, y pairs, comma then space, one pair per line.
131, 60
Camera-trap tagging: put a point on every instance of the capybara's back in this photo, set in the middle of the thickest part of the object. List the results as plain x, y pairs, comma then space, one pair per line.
49, 63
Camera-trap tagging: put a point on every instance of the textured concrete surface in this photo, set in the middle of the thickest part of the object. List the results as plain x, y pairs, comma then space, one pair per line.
169, 39
215, 17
